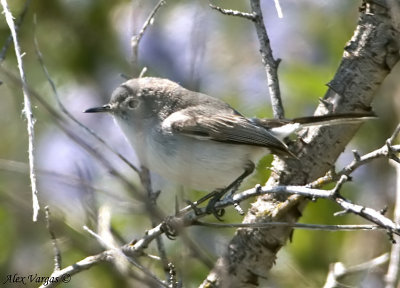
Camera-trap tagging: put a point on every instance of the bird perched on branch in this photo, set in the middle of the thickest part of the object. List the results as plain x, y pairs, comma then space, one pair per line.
197, 140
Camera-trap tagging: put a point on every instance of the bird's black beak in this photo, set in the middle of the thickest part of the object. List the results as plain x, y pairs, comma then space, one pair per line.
104, 108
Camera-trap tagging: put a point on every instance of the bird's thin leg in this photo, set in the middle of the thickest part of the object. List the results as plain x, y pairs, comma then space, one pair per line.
232, 188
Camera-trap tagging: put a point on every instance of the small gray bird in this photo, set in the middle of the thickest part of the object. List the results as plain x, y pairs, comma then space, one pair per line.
197, 140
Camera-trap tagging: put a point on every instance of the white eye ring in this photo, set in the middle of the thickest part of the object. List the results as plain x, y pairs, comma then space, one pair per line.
133, 103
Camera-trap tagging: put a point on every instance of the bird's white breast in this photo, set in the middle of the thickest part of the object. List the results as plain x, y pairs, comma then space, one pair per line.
194, 163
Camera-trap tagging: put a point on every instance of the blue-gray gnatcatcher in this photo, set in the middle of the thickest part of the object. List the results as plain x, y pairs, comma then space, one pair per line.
197, 140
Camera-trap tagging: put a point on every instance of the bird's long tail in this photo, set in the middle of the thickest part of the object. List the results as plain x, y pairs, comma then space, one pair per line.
281, 128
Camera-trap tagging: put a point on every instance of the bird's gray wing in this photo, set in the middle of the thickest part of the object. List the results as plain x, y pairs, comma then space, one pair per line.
222, 126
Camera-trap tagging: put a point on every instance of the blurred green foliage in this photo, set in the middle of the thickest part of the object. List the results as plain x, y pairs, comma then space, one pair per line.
85, 45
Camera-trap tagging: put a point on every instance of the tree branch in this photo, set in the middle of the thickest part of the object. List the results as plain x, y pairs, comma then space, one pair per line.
135, 40
27, 109
392, 275
229, 12
65, 110
56, 249
64, 275
252, 252
187, 217
270, 64
338, 271
386, 151
18, 23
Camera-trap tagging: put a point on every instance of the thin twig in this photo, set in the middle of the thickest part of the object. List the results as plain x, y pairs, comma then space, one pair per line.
392, 274
152, 202
278, 8
370, 215
386, 151
383, 152
65, 179
143, 72
56, 249
270, 64
230, 12
119, 256
394, 135
60, 122
197, 251
172, 283
18, 23
137, 247
89, 197
104, 226
338, 270
301, 226
135, 40
65, 110
187, 217
27, 109
332, 194
64, 275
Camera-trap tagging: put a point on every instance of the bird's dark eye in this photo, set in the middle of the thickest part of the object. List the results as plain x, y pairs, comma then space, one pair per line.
132, 103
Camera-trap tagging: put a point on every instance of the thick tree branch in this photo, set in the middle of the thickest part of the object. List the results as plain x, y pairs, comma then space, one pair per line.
252, 252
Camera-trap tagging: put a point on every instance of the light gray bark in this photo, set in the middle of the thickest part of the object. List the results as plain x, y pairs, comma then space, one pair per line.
368, 58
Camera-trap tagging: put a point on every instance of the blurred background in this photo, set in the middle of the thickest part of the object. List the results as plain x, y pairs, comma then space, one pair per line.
86, 48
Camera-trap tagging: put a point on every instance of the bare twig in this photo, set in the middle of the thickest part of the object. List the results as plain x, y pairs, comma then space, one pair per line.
197, 48
338, 271
198, 252
392, 275
301, 226
65, 179
187, 218
383, 152
332, 194
64, 275
65, 110
270, 64
152, 203
27, 109
104, 227
394, 135
89, 198
278, 8
60, 122
249, 16
120, 259
386, 151
370, 215
18, 23
135, 40
56, 249
144, 71
172, 283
